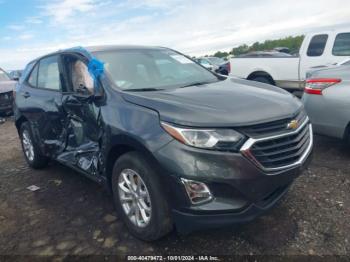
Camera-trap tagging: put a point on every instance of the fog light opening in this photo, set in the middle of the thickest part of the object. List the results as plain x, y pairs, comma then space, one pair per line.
197, 192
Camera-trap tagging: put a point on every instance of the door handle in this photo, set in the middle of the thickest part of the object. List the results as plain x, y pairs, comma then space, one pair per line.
26, 94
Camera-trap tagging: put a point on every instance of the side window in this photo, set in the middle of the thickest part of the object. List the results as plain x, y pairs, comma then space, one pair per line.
342, 45
317, 45
49, 74
33, 78
204, 62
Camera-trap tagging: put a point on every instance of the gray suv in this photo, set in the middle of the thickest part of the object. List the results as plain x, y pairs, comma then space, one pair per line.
174, 143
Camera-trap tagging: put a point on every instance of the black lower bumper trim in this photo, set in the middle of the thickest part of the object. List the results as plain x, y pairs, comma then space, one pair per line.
187, 223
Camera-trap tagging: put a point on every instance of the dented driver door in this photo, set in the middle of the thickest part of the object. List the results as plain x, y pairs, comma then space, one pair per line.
82, 123
83, 133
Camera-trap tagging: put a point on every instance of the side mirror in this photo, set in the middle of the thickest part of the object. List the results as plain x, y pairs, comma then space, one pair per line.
84, 91
88, 94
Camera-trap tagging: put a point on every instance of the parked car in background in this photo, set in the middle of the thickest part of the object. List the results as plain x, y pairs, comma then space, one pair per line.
6, 93
285, 50
289, 72
327, 100
216, 64
150, 131
15, 74
260, 54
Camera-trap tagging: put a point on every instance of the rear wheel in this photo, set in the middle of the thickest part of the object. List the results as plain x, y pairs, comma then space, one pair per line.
262, 79
138, 198
31, 151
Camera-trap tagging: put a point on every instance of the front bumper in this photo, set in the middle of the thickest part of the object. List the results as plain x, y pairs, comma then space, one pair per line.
6, 103
6, 108
241, 190
188, 222
328, 116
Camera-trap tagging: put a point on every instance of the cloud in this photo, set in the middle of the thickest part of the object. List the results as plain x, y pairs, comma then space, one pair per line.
61, 10
33, 20
25, 36
159, 4
16, 27
195, 27
7, 38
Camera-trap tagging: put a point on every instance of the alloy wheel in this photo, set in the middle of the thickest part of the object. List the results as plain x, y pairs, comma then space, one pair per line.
134, 198
27, 145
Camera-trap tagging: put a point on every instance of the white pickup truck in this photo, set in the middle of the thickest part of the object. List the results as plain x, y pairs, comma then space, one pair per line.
288, 72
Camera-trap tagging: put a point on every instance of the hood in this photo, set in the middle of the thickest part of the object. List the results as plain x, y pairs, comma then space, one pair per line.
229, 103
7, 86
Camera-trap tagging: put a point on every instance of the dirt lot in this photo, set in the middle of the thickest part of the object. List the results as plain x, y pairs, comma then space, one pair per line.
72, 215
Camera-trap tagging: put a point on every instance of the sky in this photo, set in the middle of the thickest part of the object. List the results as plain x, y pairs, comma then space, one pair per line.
30, 28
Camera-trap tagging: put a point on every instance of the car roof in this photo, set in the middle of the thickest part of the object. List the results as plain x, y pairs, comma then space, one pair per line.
204, 57
100, 48
330, 31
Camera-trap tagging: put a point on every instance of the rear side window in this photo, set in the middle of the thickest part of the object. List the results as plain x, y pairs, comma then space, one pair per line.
33, 78
317, 45
342, 45
49, 74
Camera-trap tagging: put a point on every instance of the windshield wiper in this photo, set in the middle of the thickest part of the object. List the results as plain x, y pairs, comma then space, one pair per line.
143, 89
195, 84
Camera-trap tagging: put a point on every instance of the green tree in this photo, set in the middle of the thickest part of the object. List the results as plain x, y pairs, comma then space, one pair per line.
221, 54
291, 42
242, 49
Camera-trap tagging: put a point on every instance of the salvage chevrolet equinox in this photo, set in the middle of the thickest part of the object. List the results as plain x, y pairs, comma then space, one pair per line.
175, 144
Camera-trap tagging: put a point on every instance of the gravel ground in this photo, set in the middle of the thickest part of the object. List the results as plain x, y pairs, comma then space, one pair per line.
70, 214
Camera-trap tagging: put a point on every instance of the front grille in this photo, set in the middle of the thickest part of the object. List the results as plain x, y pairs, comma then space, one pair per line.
6, 98
274, 127
282, 151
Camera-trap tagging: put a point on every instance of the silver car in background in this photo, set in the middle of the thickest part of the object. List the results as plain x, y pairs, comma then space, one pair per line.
7, 87
327, 100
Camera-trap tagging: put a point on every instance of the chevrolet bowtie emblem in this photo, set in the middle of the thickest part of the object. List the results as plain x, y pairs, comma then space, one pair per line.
294, 124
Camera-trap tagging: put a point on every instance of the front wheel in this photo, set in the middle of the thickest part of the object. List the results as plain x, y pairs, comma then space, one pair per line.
31, 151
138, 198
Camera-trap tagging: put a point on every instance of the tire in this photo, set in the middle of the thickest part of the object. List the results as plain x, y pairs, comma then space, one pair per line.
262, 79
225, 73
134, 165
35, 160
346, 137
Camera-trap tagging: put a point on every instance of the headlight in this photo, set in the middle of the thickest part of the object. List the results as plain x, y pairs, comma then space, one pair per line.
222, 139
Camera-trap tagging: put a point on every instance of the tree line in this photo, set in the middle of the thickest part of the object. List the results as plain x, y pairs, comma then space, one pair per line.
291, 42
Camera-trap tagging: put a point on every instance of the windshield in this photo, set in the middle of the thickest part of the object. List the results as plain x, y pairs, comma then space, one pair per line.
3, 76
153, 69
216, 60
